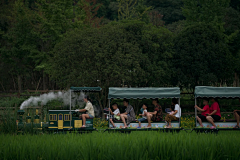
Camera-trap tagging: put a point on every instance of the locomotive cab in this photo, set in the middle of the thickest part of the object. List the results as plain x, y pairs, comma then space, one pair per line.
66, 120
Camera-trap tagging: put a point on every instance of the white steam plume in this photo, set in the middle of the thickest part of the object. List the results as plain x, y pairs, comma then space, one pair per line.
45, 98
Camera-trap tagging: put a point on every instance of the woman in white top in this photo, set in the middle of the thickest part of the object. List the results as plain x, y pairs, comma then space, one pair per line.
88, 108
175, 115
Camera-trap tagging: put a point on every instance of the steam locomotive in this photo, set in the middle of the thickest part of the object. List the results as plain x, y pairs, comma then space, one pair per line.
58, 120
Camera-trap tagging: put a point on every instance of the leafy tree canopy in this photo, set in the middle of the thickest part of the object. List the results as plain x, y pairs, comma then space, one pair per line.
201, 57
121, 53
207, 11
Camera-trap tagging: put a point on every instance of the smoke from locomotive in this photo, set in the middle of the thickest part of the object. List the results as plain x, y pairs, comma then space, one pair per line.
45, 98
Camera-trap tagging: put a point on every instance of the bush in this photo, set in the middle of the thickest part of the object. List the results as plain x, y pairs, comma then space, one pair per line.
187, 122
100, 123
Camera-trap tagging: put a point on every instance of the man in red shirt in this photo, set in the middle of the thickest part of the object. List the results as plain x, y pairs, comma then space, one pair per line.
204, 111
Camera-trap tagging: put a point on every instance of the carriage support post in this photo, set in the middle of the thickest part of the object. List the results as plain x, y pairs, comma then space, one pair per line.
109, 113
70, 109
180, 112
195, 112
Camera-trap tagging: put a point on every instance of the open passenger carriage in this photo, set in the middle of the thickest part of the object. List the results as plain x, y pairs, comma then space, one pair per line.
144, 93
216, 92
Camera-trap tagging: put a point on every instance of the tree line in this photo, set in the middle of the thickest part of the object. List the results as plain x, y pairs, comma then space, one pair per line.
118, 43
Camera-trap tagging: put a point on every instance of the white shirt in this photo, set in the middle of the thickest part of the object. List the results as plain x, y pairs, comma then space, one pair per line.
143, 114
178, 114
89, 108
116, 112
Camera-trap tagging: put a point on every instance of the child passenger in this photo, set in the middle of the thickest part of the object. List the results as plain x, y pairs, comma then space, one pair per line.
115, 114
144, 117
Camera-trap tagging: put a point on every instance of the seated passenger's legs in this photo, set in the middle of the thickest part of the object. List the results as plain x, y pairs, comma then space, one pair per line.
199, 118
140, 120
237, 117
210, 120
169, 118
84, 116
149, 117
123, 117
112, 122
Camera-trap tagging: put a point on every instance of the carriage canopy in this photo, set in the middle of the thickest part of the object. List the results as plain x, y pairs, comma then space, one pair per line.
141, 93
90, 89
220, 92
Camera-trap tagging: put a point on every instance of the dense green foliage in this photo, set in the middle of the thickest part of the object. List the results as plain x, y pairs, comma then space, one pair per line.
207, 11
127, 53
135, 43
205, 59
137, 145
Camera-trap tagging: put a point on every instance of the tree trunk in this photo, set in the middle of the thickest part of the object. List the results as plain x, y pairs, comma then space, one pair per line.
236, 81
101, 105
44, 81
49, 82
19, 83
14, 84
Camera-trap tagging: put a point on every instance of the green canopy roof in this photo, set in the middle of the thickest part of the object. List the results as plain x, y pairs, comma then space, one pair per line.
140, 93
207, 91
91, 89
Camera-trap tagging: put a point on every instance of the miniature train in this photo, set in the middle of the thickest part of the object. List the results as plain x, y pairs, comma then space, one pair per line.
67, 120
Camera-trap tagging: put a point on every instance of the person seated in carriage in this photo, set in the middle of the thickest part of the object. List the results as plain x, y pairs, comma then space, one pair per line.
156, 115
115, 114
88, 108
174, 116
214, 114
204, 111
236, 114
144, 113
129, 114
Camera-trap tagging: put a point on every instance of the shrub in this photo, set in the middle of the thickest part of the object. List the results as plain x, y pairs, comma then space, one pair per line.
100, 123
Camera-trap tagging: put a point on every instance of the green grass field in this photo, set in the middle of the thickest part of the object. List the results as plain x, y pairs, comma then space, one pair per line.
113, 146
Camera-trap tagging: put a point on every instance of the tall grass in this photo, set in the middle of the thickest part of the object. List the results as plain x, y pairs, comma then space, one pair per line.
114, 146
8, 119
8, 125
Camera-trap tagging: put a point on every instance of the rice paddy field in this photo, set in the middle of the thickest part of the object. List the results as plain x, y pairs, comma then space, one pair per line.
113, 146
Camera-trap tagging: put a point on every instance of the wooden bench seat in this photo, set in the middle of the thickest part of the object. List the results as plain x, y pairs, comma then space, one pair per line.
230, 123
227, 120
135, 121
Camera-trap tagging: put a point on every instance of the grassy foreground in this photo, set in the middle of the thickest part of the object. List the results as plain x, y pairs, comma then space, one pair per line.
137, 145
